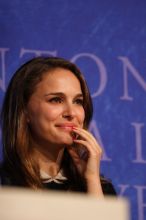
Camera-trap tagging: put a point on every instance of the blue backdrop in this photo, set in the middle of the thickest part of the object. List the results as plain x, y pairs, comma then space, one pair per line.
107, 40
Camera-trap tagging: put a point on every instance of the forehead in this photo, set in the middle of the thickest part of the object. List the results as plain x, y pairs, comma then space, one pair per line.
59, 79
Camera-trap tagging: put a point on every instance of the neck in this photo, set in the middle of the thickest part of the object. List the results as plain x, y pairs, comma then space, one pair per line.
49, 160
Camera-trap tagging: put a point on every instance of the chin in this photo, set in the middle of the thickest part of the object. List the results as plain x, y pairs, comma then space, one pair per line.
67, 141
63, 139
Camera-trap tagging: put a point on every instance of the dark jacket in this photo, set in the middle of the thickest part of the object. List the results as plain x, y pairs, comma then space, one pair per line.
107, 186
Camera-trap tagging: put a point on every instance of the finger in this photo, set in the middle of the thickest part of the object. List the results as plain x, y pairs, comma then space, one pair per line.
73, 154
88, 137
94, 151
76, 159
84, 134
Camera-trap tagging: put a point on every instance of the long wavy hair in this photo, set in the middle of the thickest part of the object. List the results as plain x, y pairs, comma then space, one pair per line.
17, 158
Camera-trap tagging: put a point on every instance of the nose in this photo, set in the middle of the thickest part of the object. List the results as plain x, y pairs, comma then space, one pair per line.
69, 111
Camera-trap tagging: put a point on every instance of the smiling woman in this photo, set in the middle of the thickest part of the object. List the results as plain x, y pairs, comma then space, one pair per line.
54, 108
46, 143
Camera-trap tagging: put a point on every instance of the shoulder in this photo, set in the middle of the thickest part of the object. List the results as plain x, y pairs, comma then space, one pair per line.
107, 187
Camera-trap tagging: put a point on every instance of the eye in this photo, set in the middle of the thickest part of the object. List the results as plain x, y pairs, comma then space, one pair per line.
79, 102
55, 100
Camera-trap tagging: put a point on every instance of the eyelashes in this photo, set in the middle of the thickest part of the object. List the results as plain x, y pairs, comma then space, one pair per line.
55, 100
77, 101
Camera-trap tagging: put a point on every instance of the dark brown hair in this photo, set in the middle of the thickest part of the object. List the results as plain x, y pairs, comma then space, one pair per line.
15, 131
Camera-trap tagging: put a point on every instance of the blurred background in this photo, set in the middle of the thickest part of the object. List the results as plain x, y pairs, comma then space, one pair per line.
107, 40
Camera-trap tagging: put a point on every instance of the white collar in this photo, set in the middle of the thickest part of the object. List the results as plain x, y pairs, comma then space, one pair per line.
57, 179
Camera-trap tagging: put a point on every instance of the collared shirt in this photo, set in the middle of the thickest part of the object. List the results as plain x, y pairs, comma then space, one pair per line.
59, 178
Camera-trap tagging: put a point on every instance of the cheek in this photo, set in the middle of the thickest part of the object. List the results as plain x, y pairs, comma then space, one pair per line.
43, 115
81, 116
53, 113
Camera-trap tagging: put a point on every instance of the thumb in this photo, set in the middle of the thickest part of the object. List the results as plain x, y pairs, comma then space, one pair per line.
73, 153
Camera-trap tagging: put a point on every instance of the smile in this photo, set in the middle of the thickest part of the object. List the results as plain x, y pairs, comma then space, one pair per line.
65, 127
68, 127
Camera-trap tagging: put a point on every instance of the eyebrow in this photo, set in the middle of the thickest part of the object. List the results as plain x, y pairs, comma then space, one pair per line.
62, 94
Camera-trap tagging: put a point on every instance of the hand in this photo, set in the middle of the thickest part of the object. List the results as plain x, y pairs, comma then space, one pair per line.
89, 168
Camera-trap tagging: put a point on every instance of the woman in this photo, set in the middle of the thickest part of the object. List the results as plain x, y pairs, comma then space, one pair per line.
45, 117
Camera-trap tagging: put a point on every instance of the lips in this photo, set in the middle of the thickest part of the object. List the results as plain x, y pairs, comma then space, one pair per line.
66, 126
69, 126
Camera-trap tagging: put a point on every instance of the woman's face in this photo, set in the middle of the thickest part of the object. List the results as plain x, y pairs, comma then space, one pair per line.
54, 107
